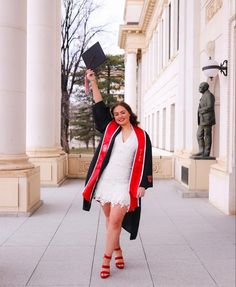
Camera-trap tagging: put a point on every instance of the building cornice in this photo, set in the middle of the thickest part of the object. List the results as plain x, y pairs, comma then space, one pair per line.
129, 2
147, 24
126, 30
147, 13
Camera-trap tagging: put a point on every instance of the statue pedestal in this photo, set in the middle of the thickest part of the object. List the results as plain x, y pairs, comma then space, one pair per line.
193, 175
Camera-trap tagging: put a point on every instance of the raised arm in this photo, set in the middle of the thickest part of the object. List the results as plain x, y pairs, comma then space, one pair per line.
97, 97
101, 113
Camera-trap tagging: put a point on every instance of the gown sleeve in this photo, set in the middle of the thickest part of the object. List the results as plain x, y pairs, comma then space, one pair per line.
101, 116
147, 180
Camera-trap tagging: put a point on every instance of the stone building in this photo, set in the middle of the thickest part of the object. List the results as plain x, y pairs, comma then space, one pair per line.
166, 43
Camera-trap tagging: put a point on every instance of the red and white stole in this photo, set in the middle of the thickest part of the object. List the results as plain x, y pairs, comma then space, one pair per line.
137, 168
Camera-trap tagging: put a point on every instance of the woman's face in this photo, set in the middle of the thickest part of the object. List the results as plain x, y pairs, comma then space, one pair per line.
121, 116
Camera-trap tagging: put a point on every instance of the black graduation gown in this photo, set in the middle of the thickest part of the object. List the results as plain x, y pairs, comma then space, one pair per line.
102, 117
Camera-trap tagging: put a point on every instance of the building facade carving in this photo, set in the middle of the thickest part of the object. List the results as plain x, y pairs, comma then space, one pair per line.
212, 8
79, 164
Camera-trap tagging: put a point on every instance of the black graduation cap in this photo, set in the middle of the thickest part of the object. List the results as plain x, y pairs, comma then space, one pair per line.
94, 56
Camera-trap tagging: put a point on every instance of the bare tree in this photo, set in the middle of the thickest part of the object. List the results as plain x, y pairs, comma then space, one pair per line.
76, 33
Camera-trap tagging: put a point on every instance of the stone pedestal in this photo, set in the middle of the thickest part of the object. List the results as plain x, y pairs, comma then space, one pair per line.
78, 165
193, 174
162, 167
19, 191
19, 179
222, 188
53, 168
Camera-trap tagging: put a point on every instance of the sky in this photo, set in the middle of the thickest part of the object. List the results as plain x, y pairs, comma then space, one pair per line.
111, 13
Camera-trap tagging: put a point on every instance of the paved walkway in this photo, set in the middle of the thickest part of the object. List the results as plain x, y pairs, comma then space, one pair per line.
182, 243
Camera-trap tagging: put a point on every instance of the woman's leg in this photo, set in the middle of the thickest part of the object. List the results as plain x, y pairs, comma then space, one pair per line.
116, 217
106, 209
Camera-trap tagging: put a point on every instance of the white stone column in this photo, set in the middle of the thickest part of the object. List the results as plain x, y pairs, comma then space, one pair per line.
152, 60
222, 191
189, 80
131, 79
139, 92
17, 174
192, 76
58, 77
12, 81
168, 127
43, 89
162, 129
165, 35
192, 173
148, 66
143, 88
155, 55
144, 71
161, 45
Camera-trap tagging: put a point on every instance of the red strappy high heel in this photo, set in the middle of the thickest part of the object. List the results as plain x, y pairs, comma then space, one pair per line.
105, 273
119, 264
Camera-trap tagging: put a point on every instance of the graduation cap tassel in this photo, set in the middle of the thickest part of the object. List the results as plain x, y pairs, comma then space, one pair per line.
86, 85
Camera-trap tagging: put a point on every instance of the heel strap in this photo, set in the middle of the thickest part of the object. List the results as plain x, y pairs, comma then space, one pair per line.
106, 256
117, 249
118, 257
105, 274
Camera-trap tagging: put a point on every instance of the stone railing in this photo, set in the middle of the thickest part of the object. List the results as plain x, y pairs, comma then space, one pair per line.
78, 165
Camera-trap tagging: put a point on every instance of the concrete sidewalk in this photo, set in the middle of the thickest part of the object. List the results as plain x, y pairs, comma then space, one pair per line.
182, 243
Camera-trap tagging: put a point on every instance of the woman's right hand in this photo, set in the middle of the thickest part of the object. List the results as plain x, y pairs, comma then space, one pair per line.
90, 75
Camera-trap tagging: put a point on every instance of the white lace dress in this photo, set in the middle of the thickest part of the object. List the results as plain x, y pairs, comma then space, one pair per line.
113, 186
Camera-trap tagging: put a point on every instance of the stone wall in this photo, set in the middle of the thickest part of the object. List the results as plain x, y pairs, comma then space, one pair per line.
78, 166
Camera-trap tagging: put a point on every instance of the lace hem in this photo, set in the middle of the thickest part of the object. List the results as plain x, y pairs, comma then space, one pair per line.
113, 203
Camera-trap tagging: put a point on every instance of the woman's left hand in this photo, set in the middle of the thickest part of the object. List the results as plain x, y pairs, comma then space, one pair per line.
141, 191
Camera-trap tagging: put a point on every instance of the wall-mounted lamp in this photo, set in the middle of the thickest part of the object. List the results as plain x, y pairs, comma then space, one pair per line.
212, 68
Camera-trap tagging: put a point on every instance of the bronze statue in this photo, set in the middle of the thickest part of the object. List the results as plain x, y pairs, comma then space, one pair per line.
206, 119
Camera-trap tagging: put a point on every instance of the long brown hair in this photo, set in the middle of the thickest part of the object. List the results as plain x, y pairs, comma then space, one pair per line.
133, 117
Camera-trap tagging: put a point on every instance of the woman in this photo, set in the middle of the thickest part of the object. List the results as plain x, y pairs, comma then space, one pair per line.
119, 173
